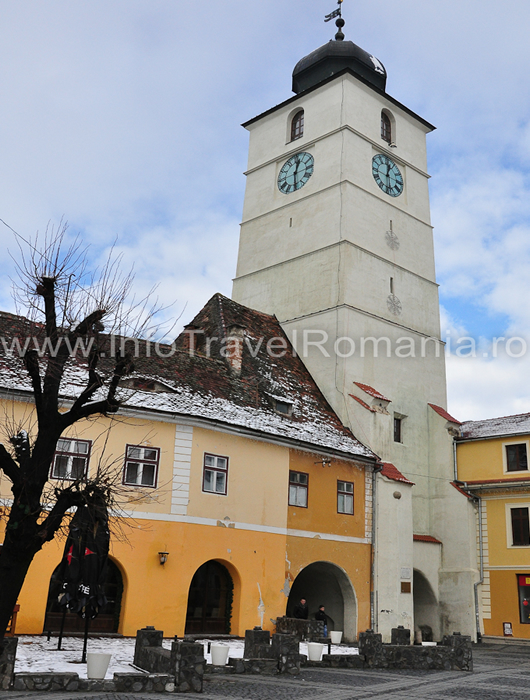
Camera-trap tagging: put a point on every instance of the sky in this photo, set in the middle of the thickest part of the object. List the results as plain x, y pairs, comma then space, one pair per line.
122, 117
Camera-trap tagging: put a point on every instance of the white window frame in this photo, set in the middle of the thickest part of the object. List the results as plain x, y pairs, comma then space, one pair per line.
142, 461
347, 496
509, 532
505, 457
69, 448
297, 488
218, 467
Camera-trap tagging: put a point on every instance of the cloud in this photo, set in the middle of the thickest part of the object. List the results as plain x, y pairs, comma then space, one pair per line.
124, 118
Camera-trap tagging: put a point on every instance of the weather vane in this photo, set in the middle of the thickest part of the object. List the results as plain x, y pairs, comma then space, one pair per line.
335, 13
339, 36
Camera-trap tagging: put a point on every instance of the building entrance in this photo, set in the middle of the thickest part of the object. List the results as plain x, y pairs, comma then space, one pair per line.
210, 600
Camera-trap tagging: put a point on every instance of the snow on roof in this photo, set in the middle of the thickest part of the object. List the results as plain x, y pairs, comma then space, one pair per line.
503, 482
203, 383
442, 412
494, 427
371, 391
392, 472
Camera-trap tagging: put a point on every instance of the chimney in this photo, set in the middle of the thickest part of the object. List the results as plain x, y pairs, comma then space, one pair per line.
234, 348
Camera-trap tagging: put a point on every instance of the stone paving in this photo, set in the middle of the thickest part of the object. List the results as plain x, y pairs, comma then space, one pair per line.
502, 671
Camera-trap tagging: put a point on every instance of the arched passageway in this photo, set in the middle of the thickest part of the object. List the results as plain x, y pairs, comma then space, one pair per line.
108, 619
426, 609
210, 600
324, 583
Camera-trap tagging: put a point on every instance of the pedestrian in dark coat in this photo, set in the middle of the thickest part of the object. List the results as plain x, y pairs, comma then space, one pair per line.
301, 611
321, 615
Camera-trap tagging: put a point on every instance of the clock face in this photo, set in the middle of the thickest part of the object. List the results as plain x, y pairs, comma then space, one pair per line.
387, 175
295, 172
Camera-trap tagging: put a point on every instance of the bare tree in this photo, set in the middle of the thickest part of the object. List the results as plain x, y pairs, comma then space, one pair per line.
69, 315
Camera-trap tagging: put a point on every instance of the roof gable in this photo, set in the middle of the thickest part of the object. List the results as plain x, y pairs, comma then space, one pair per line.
231, 365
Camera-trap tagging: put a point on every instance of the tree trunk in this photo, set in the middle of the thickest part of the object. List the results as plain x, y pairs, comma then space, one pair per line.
13, 570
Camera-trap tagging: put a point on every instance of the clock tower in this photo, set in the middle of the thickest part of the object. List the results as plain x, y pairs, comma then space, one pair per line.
336, 241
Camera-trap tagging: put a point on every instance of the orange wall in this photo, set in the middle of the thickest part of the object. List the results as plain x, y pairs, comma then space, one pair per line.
505, 604
157, 595
321, 512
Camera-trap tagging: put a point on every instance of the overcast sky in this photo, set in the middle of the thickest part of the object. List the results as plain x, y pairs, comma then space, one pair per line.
123, 117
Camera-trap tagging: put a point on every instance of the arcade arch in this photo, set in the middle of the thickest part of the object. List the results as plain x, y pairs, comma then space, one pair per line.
325, 583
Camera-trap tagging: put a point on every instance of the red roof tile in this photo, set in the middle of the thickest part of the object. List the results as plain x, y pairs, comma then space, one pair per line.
458, 488
371, 391
206, 384
426, 538
442, 412
363, 403
392, 472
518, 424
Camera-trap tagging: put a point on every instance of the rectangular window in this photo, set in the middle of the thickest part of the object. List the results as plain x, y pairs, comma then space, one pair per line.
345, 497
71, 459
397, 429
215, 474
298, 484
516, 458
520, 527
141, 465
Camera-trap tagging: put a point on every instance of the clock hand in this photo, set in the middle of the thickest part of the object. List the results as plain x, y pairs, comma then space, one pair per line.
296, 171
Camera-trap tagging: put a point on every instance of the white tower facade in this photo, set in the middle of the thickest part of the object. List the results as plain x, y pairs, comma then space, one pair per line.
336, 241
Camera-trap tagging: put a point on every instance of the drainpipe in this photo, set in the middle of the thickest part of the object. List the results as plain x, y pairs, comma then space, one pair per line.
373, 621
455, 463
481, 579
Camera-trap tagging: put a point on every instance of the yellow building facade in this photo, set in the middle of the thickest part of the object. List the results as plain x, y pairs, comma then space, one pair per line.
492, 458
230, 509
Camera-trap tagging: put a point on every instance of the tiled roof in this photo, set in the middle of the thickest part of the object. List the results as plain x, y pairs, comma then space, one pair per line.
392, 472
490, 482
461, 490
442, 412
426, 538
363, 403
371, 391
204, 384
494, 427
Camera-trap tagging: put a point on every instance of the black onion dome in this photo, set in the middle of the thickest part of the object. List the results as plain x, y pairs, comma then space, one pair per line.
331, 59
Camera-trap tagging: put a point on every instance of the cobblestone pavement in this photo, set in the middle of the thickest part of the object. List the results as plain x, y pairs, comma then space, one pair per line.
502, 671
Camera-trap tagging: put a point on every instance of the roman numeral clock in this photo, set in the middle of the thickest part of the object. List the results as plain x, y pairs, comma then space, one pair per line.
295, 172
387, 175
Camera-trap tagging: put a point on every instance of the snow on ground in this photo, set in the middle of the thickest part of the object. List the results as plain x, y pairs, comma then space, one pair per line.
37, 655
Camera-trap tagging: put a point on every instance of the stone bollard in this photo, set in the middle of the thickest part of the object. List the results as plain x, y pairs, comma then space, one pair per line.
7, 661
287, 650
371, 647
400, 636
189, 663
461, 645
146, 637
257, 644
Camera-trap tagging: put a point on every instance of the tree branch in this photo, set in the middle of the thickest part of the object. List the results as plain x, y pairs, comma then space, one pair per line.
109, 404
94, 380
9, 466
31, 363
66, 499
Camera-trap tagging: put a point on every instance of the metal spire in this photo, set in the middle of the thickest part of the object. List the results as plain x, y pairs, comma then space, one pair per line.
339, 36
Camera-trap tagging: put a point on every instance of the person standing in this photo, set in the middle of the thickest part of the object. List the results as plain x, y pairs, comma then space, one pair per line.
321, 615
301, 611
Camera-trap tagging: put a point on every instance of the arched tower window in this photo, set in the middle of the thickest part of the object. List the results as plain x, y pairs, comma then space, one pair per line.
386, 127
297, 125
